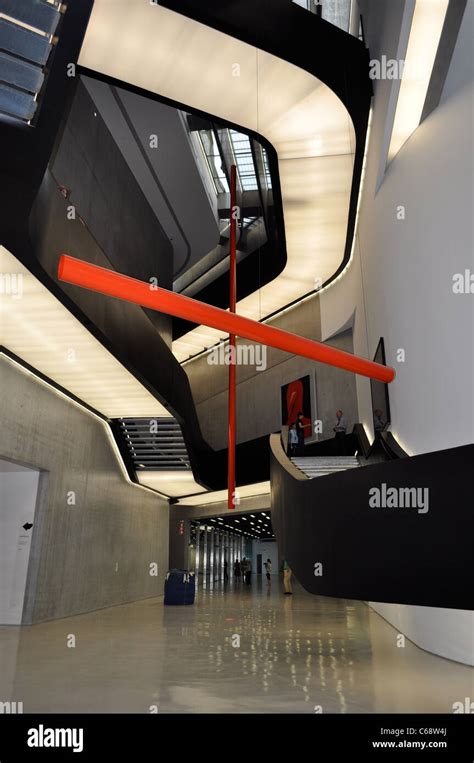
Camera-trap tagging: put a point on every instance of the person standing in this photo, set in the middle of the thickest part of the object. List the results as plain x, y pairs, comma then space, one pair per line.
248, 572
244, 567
379, 423
287, 573
340, 429
226, 574
237, 569
300, 433
293, 440
268, 570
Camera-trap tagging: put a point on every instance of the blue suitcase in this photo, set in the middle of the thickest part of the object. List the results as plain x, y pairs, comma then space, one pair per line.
180, 587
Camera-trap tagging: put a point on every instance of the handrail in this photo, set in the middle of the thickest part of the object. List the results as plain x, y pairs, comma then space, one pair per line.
362, 440
391, 446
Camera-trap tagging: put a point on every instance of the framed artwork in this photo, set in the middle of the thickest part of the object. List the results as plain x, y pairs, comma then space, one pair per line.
380, 399
296, 398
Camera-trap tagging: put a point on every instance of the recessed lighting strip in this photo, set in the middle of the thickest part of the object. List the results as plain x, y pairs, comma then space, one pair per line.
87, 410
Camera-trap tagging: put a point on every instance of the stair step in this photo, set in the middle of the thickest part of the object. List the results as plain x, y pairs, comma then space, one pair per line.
160, 450
322, 466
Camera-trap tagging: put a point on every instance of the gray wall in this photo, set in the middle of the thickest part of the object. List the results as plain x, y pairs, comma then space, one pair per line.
108, 198
94, 554
168, 175
259, 392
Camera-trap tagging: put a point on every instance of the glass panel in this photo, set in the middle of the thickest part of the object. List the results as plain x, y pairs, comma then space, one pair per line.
337, 12
244, 161
267, 169
211, 151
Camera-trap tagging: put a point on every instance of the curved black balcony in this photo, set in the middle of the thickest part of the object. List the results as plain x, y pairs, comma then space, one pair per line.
387, 554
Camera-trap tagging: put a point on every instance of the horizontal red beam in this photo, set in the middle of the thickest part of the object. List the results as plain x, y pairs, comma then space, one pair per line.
130, 289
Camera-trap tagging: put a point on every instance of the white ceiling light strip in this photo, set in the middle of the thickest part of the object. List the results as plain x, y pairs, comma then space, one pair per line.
172, 483
217, 496
103, 423
38, 328
303, 119
425, 34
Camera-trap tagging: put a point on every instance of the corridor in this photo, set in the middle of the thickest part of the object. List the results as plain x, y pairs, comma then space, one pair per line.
237, 650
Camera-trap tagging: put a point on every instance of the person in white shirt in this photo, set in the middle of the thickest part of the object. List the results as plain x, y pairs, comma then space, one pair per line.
293, 440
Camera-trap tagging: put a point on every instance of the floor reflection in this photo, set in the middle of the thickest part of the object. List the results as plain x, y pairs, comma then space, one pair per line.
239, 650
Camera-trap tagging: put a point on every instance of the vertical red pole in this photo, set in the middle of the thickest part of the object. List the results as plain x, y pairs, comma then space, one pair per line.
232, 358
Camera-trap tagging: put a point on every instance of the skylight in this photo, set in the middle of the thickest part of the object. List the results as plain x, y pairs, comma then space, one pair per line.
244, 160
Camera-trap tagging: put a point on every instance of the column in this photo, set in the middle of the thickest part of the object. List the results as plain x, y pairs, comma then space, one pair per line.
204, 555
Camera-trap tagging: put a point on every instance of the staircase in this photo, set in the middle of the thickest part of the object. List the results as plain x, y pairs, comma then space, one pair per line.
155, 444
323, 465
28, 29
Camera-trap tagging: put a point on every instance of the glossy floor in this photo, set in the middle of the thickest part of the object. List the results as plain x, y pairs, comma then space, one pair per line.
237, 651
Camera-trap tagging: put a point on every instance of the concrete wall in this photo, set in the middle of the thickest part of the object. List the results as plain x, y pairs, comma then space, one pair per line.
400, 283
259, 392
96, 553
189, 219
107, 197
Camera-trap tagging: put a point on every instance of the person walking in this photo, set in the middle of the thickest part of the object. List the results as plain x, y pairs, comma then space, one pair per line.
237, 570
226, 574
248, 572
300, 433
287, 573
293, 440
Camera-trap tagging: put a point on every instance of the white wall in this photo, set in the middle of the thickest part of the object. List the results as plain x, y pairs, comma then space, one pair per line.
400, 285
447, 632
268, 551
18, 491
404, 268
